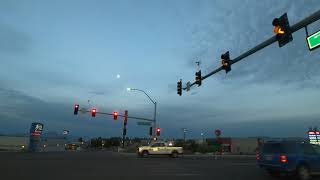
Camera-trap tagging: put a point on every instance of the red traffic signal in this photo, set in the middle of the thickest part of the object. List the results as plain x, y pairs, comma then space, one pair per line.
115, 115
158, 131
76, 109
125, 117
93, 112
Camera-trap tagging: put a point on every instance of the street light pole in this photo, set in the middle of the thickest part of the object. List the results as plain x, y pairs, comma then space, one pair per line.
155, 119
155, 109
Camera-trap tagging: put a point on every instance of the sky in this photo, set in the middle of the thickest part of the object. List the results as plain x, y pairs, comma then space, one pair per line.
55, 54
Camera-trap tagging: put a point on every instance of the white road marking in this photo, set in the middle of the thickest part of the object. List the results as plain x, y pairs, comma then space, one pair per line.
242, 164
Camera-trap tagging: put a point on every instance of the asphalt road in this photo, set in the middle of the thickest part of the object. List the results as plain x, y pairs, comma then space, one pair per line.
111, 165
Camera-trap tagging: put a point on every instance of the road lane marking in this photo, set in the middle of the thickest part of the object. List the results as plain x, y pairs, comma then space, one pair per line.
242, 164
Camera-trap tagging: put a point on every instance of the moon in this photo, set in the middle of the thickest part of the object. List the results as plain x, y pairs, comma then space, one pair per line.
118, 76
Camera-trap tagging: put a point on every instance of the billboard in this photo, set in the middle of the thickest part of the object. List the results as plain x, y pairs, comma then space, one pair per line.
36, 129
314, 137
35, 133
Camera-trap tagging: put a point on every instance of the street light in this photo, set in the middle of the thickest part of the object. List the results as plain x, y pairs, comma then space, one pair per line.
202, 135
155, 107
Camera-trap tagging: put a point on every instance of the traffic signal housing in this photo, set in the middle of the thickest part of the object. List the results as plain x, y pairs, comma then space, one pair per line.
115, 115
282, 30
179, 87
158, 132
125, 121
150, 131
198, 78
76, 109
226, 62
93, 112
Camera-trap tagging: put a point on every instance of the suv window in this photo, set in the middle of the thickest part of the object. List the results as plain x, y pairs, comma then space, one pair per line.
277, 148
290, 148
271, 148
308, 149
316, 148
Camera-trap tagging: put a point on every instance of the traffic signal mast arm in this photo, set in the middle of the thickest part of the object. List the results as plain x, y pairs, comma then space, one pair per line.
131, 117
301, 24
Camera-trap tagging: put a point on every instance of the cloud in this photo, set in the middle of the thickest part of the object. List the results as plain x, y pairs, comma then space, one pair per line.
13, 40
239, 29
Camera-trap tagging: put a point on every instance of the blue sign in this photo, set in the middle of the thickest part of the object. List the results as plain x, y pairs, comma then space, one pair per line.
36, 129
35, 133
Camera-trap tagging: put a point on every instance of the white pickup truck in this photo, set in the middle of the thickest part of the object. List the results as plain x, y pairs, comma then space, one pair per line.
160, 148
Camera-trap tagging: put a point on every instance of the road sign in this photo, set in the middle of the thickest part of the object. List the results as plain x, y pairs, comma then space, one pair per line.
314, 40
144, 123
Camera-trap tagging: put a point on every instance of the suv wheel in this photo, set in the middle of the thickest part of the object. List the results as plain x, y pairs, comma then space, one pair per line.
303, 172
145, 153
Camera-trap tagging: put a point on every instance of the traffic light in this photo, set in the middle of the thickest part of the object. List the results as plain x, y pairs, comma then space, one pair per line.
198, 78
125, 118
179, 87
76, 109
226, 62
115, 115
158, 131
150, 131
93, 112
282, 30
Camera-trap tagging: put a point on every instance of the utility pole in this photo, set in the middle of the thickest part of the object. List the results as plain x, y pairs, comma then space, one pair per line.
124, 133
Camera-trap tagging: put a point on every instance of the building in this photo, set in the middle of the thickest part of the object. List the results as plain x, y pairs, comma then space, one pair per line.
244, 145
14, 143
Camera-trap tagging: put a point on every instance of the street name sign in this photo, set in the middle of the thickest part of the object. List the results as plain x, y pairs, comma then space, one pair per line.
313, 40
144, 123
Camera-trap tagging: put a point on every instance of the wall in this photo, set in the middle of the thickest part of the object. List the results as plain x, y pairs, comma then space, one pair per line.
244, 145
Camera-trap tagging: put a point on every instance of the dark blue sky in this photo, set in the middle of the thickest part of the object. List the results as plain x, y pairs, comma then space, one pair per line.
57, 53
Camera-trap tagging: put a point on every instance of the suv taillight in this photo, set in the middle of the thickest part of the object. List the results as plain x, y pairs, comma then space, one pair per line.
283, 159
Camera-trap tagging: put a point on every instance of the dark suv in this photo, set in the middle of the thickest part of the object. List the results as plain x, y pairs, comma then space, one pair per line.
301, 159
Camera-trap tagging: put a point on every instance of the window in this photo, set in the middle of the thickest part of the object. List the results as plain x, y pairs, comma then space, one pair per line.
308, 149
289, 148
155, 145
316, 148
271, 148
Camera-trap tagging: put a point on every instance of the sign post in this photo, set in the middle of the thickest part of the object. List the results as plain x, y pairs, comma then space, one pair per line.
35, 133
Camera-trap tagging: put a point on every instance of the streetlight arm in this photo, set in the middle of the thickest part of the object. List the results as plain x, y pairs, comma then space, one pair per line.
145, 94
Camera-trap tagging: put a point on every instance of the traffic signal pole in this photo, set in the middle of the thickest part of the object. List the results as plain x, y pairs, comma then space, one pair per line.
301, 24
